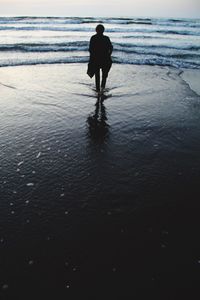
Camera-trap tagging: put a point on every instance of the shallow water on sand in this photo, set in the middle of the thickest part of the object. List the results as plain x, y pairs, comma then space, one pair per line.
62, 148
68, 156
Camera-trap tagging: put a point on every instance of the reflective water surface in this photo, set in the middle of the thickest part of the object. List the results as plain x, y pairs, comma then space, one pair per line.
77, 169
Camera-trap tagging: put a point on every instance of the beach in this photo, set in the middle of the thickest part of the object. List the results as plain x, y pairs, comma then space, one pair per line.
99, 194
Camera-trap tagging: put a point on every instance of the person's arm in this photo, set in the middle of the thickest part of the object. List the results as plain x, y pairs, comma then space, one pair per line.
91, 47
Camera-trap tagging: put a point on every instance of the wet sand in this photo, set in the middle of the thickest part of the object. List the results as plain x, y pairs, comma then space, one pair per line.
99, 196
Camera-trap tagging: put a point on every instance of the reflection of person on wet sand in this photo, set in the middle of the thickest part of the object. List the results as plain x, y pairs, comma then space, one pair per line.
100, 57
98, 127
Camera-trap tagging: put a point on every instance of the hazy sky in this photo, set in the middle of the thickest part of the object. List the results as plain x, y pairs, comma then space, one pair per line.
159, 8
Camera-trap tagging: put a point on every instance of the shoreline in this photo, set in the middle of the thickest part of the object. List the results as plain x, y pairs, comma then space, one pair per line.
192, 78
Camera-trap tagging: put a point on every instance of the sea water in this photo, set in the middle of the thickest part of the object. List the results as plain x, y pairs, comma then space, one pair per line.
142, 41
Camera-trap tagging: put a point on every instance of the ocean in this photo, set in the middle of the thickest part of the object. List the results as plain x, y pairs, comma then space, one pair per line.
141, 41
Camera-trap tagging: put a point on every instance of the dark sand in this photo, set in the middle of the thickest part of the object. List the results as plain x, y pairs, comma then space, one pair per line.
98, 201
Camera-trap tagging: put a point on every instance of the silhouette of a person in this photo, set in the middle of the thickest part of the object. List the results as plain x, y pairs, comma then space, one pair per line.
100, 56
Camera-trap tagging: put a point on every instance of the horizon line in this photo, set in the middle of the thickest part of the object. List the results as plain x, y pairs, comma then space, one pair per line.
94, 17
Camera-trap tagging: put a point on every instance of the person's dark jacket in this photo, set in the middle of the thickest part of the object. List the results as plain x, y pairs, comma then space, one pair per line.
100, 50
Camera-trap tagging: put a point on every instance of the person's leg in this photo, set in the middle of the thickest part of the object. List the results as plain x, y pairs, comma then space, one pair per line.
104, 77
97, 79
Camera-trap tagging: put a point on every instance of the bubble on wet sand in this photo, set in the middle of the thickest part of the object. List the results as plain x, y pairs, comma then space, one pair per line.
165, 232
38, 155
114, 269
4, 286
30, 184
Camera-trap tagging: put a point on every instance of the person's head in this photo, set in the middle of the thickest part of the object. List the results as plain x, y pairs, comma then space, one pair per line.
100, 29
